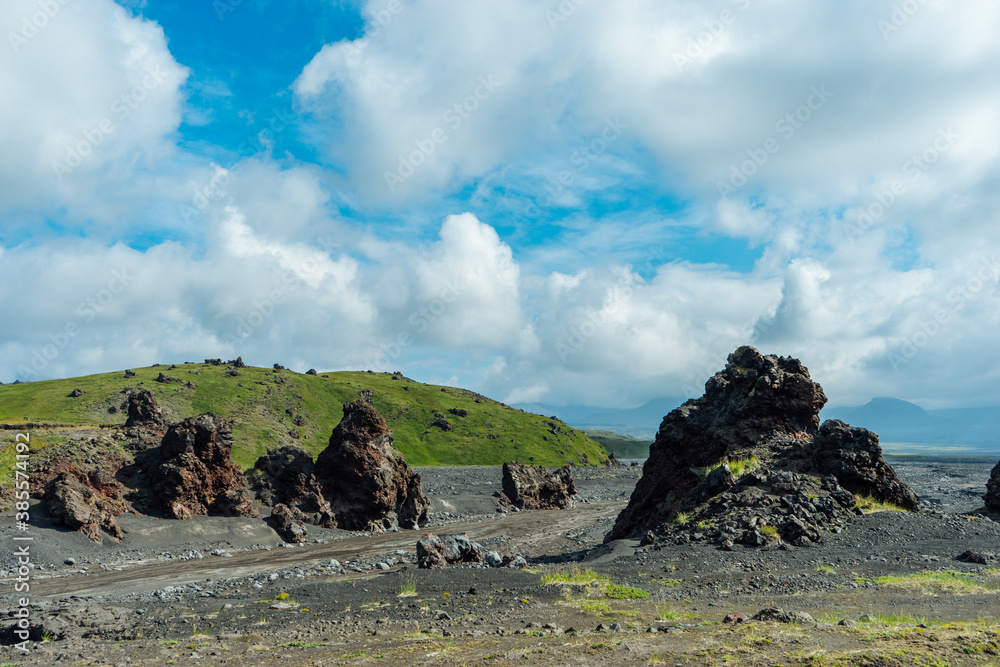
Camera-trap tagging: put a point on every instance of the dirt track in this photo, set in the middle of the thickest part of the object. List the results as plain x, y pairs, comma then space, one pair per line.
535, 532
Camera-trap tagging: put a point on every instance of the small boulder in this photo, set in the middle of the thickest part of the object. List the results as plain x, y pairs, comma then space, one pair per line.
534, 488
290, 529
970, 557
76, 393
735, 617
434, 552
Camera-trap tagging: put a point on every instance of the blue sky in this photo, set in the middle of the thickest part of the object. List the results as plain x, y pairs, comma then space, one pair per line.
564, 202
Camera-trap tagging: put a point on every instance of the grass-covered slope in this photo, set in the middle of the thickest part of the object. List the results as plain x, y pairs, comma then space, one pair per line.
261, 404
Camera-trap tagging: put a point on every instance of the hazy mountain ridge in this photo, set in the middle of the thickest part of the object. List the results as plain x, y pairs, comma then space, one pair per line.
975, 430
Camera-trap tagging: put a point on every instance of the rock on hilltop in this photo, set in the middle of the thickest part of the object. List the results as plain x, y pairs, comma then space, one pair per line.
750, 460
992, 495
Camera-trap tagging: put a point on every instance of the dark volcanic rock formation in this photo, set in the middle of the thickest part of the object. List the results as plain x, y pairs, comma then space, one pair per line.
287, 476
759, 416
992, 495
533, 488
365, 479
73, 503
854, 457
195, 472
285, 523
143, 410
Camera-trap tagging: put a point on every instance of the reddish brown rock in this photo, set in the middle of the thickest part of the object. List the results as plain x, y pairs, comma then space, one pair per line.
287, 476
195, 473
285, 523
854, 457
366, 479
73, 504
534, 488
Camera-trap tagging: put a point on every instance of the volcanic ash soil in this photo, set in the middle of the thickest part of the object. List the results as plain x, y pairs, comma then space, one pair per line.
214, 590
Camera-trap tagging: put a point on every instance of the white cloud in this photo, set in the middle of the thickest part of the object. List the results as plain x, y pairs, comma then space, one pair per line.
99, 97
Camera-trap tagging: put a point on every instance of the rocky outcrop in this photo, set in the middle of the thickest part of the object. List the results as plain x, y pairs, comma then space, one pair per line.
534, 488
854, 457
434, 552
992, 495
287, 476
285, 523
195, 473
72, 503
142, 409
749, 463
366, 479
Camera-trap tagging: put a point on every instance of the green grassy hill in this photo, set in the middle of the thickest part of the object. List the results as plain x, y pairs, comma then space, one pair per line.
261, 404
624, 446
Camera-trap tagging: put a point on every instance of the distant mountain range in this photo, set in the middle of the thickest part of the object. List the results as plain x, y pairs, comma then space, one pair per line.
903, 427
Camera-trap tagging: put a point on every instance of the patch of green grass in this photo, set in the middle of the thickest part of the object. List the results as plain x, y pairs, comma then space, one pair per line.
407, 589
769, 532
870, 505
740, 467
574, 576
281, 596
930, 581
825, 569
622, 592
669, 583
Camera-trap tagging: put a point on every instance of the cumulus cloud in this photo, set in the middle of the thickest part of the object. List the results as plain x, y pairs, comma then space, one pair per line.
98, 98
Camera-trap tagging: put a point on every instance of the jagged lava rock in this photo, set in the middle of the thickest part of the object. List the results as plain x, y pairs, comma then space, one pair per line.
196, 473
73, 504
366, 479
288, 477
755, 403
285, 523
534, 488
854, 457
992, 495
143, 410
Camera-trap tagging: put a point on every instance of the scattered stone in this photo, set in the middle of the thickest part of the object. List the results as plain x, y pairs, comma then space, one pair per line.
142, 409
311, 371
735, 617
535, 488
76, 393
